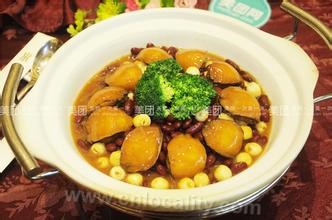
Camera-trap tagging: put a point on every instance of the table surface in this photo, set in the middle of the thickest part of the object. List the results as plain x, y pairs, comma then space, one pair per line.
304, 192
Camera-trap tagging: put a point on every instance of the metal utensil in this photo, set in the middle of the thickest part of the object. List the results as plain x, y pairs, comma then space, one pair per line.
41, 59
323, 98
29, 165
22, 155
26, 160
323, 30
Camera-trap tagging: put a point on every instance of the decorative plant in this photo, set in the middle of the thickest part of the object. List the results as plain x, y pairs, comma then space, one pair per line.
109, 8
105, 9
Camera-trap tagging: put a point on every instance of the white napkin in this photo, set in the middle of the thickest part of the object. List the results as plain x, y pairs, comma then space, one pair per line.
25, 57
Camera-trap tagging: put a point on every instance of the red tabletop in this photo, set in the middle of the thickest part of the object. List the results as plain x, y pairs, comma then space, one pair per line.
304, 193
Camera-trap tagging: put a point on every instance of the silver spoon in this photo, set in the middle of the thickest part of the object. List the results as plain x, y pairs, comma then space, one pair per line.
43, 56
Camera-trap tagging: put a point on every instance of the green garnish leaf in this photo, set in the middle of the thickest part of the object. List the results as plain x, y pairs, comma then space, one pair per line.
109, 8
143, 3
78, 26
167, 3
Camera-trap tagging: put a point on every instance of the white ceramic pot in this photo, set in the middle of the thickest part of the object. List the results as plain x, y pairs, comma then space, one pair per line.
282, 67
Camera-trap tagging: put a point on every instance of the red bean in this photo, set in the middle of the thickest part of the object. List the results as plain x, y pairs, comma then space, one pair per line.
170, 118
167, 138
203, 69
149, 45
172, 51
164, 48
174, 134
248, 121
238, 167
262, 140
176, 125
83, 144
233, 64
129, 107
162, 157
195, 128
228, 162
242, 85
246, 76
135, 51
255, 136
264, 101
111, 147
265, 115
187, 123
210, 160
199, 136
162, 170
167, 128
109, 69
218, 162
164, 146
119, 141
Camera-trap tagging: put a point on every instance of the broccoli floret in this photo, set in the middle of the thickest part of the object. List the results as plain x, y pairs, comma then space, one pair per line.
168, 68
164, 89
191, 95
154, 90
